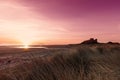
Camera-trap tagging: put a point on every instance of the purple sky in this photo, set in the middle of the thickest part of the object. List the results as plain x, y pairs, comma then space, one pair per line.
70, 21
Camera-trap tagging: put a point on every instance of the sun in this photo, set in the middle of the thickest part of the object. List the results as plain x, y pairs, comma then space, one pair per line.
26, 46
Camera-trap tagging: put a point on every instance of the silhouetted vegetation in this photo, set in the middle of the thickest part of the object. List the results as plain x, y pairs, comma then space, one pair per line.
112, 42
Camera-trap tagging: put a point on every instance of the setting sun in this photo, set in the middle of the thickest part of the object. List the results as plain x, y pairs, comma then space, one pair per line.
26, 46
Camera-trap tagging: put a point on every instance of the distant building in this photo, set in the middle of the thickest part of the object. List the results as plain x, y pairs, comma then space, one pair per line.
90, 41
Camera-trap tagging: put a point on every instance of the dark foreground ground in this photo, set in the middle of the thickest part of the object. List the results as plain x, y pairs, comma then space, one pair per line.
80, 62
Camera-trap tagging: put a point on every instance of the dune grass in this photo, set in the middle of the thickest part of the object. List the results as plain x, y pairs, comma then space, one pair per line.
93, 62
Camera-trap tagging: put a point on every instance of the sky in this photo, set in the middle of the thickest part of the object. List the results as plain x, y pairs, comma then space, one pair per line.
58, 21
